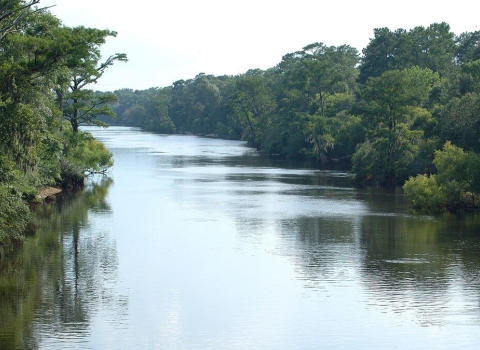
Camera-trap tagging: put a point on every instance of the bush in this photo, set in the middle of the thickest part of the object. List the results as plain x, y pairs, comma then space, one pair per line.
423, 192
83, 155
14, 217
455, 186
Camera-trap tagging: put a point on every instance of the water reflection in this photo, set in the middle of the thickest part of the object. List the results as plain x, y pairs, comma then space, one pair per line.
214, 246
64, 274
412, 265
258, 252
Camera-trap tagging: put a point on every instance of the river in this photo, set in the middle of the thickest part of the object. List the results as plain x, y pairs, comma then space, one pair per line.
200, 243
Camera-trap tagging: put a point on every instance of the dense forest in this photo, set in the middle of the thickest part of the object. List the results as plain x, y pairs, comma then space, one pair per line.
403, 112
45, 71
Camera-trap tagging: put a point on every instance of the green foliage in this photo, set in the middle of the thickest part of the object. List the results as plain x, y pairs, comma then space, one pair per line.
252, 104
455, 186
320, 133
394, 106
423, 192
454, 164
468, 47
309, 76
83, 66
388, 157
82, 154
459, 122
471, 77
14, 216
388, 99
39, 55
432, 47
85, 107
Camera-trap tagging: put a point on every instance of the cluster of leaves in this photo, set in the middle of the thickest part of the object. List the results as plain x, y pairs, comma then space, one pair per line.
381, 114
455, 185
45, 68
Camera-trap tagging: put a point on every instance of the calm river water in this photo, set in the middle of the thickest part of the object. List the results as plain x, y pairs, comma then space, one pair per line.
198, 243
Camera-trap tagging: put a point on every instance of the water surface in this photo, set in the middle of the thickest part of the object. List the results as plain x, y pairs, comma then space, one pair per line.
199, 243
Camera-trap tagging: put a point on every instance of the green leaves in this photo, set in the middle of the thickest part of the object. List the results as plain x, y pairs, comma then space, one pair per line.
83, 66
455, 186
389, 98
252, 104
14, 217
82, 154
459, 122
37, 56
318, 71
85, 106
393, 104
424, 192
432, 47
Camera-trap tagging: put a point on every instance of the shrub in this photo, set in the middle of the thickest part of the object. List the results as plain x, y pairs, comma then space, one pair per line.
423, 192
14, 217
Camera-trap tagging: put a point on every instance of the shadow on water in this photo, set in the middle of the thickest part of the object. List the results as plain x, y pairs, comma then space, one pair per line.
62, 274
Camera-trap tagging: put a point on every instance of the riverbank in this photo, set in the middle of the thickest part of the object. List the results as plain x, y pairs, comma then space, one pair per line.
48, 193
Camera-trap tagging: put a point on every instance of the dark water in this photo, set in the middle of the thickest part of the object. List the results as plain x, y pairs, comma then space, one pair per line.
197, 243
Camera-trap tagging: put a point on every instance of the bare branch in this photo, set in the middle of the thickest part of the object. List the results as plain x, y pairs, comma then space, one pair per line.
6, 13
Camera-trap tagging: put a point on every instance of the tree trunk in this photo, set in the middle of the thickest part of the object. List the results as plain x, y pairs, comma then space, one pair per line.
60, 106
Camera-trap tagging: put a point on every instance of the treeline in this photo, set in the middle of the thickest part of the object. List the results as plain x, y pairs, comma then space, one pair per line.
45, 69
388, 114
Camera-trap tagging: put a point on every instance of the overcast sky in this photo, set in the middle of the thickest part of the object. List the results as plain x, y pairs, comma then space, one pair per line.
170, 40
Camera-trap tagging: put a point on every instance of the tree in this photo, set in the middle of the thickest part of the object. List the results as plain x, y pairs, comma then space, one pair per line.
381, 53
12, 14
391, 104
83, 155
320, 134
79, 104
30, 58
86, 106
459, 122
318, 71
312, 87
252, 104
27, 63
468, 47
155, 103
432, 47
388, 99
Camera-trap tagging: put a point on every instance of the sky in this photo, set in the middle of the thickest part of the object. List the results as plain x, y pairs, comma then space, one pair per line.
166, 41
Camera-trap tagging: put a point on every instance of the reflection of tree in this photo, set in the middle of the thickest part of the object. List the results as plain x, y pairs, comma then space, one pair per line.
326, 246
64, 272
426, 267
418, 265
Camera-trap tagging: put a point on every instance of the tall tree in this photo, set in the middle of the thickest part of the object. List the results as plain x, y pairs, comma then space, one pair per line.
79, 104
459, 122
253, 104
28, 64
381, 53
468, 47
432, 47
391, 105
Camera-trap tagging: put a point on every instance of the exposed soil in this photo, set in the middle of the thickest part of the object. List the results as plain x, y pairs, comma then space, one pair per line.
48, 193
